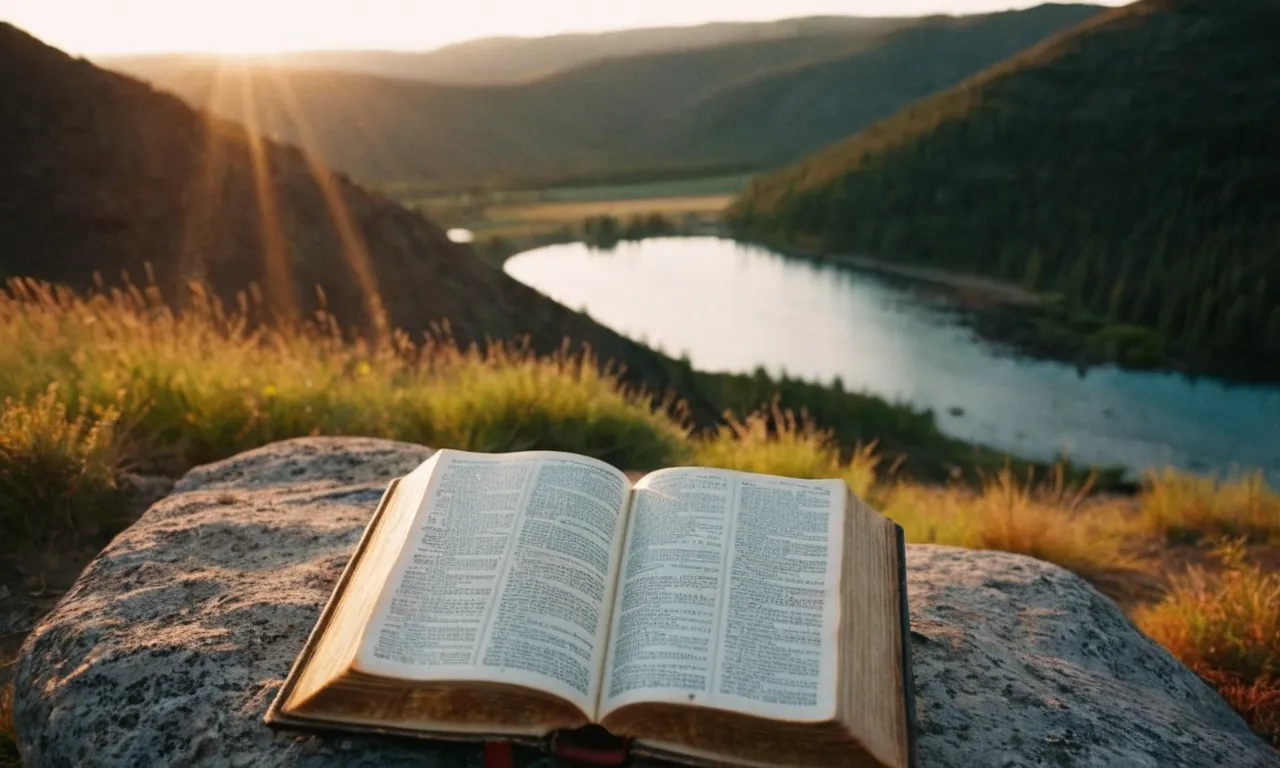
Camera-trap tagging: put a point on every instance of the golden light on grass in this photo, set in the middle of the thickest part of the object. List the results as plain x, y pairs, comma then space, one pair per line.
1042, 518
1185, 507
1229, 621
202, 384
57, 470
1226, 626
1258, 702
777, 442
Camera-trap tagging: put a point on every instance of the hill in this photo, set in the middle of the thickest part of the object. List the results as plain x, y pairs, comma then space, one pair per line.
509, 60
382, 129
787, 112
1129, 166
738, 105
99, 173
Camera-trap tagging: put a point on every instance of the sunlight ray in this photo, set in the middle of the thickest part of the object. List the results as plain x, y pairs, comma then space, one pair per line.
367, 113
278, 277
202, 199
355, 249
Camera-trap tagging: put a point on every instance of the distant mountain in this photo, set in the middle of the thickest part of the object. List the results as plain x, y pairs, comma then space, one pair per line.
99, 173
743, 105
1131, 165
508, 60
787, 112
382, 129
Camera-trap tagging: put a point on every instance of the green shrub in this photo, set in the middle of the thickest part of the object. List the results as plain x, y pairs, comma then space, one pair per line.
57, 472
1132, 344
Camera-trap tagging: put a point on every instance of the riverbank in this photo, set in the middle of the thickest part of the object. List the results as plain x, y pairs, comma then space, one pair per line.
729, 308
968, 289
1025, 322
1042, 325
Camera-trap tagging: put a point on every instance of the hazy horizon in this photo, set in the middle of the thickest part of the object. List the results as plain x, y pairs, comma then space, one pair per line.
91, 28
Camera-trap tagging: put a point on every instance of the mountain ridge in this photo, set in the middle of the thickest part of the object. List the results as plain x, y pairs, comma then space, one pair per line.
510, 60
620, 112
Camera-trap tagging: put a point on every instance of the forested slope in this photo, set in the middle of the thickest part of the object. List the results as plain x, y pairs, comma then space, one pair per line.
1131, 166
787, 112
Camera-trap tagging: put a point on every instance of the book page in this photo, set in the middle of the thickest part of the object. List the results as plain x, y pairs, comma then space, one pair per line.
505, 576
728, 595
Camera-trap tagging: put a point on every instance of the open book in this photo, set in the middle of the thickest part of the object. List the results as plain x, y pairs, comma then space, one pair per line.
705, 615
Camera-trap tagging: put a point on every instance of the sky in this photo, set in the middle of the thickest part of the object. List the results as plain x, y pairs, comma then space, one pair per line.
104, 27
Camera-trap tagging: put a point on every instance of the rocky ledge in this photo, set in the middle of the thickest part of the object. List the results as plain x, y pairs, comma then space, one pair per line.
171, 645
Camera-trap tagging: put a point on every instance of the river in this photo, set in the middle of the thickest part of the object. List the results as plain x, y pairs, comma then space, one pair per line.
733, 307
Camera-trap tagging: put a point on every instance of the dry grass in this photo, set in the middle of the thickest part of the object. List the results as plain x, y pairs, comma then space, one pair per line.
1041, 518
1184, 507
1227, 628
206, 384
776, 442
1228, 622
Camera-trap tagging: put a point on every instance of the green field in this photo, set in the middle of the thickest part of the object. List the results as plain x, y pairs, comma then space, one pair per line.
694, 187
532, 213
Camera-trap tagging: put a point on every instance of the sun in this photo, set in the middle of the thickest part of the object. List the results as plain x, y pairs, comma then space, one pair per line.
232, 27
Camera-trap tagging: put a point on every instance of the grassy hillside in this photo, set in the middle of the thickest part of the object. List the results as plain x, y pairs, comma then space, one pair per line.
1130, 167
709, 109
508, 60
100, 173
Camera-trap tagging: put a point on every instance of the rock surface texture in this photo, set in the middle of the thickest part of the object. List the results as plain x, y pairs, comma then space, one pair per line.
171, 645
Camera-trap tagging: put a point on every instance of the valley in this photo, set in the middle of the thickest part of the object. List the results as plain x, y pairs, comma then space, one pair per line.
1013, 276
516, 214
1059, 170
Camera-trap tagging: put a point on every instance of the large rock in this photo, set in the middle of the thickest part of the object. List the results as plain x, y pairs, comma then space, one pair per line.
173, 642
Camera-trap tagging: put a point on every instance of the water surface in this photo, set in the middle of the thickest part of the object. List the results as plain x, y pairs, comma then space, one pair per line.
733, 307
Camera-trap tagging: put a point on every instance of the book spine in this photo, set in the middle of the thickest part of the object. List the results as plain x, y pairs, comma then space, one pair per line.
908, 679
